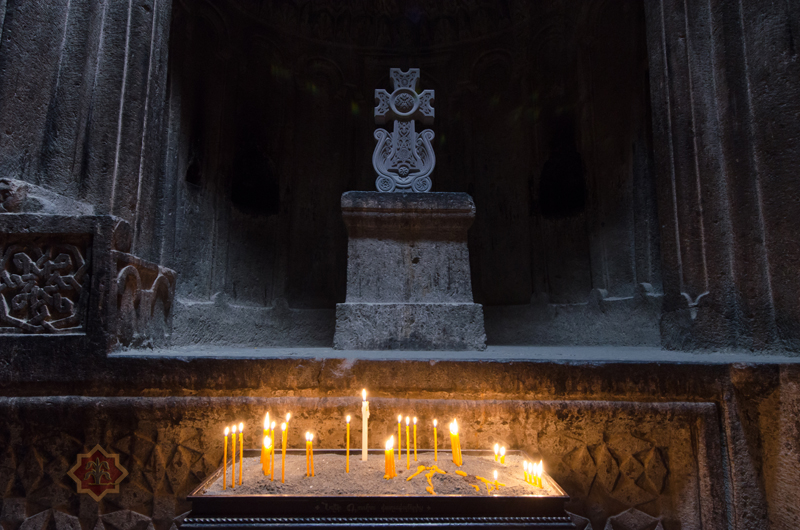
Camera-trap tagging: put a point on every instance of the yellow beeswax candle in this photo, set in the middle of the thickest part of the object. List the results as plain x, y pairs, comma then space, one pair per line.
308, 457
415, 438
264, 454
283, 452
233, 465
364, 425
435, 444
347, 468
496, 485
272, 453
311, 450
265, 448
388, 456
408, 444
503, 455
496, 451
525, 470
399, 437
241, 450
225, 461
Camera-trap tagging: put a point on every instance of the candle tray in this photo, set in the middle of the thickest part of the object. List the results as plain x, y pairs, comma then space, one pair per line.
277, 511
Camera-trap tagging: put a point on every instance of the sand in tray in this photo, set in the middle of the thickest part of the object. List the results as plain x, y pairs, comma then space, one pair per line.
366, 478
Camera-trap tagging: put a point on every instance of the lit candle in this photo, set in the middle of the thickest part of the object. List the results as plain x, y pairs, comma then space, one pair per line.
408, 444
399, 437
415, 438
435, 444
311, 450
264, 453
496, 485
455, 444
503, 455
496, 451
272, 453
364, 426
525, 470
539, 473
241, 450
347, 469
283, 452
388, 457
308, 455
265, 448
233, 465
225, 461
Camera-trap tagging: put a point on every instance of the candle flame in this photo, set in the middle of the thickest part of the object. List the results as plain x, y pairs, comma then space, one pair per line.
241, 427
399, 418
348, 418
266, 421
390, 443
454, 427
415, 420
434, 423
283, 426
267, 442
408, 420
227, 430
496, 448
273, 425
288, 415
495, 475
233, 429
364, 395
525, 466
502, 451
310, 437
307, 438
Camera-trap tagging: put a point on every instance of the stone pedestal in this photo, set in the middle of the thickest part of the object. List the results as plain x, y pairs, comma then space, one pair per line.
408, 278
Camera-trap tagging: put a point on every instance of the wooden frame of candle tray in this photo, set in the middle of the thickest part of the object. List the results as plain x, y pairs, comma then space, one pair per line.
296, 512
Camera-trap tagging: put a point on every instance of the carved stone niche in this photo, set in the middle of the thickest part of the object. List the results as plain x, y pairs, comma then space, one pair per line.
73, 275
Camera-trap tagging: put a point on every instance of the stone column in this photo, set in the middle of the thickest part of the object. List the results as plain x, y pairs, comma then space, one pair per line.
408, 276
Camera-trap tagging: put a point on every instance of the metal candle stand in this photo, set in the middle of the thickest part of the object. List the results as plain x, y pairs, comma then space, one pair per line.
296, 512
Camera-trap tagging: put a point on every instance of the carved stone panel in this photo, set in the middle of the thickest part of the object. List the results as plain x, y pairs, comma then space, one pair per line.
44, 283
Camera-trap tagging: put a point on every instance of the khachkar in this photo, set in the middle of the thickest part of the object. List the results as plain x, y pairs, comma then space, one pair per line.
408, 277
404, 159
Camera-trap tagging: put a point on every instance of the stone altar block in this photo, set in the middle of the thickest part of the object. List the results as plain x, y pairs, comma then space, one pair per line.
408, 276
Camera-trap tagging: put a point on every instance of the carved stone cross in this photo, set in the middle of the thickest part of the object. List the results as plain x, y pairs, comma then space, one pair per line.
404, 159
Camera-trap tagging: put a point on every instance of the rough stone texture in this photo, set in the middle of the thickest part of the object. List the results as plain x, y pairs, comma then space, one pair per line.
607, 145
410, 326
408, 277
628, 441
73, 275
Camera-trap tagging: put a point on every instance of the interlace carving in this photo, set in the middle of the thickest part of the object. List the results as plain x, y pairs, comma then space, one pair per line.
404, 159
41, 287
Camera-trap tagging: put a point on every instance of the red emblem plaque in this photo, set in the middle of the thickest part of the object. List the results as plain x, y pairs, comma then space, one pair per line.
98, 473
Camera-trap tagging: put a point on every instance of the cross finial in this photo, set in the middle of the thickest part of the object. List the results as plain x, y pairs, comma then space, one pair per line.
404, 104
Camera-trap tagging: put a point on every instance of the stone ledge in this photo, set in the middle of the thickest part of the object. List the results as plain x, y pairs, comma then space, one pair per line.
390, 326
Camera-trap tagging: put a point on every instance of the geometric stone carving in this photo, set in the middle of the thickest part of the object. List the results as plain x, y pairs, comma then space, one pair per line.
404, 159
73, 275
633, 519
41, 286
607, 468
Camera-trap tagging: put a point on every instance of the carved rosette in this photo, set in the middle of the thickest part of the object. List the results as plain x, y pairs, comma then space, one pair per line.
404, 159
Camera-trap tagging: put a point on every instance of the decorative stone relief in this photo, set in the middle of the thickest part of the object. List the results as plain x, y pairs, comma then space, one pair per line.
145, 293
404, 159
42, 287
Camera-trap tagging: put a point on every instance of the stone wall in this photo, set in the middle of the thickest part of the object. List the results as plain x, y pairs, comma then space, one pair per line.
683, 445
